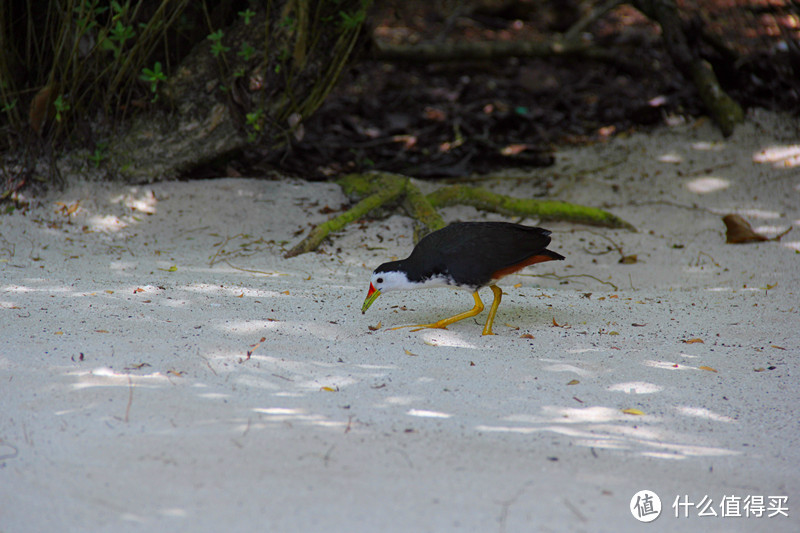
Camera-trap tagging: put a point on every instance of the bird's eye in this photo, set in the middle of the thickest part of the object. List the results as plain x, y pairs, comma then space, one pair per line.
379, 280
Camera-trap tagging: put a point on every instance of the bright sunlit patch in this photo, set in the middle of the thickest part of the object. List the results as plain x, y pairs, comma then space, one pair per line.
792, 245
779, 156
757, 213
281, 411
694, 451
214, 395
701, 412
506, 429
667, 365
636, 387
107, 377
173, 512
427, 414
708, 146
245, 292
582, 350
375, 367
586, 414
401, 400
604, 444
670, 157
708, 184
769, 231
108, 223
144, 201
663, 455
570, 368
22, 288
445, 338
283, 414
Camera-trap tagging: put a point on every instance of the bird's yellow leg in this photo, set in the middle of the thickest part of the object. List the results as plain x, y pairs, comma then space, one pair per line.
498, 295
443, 323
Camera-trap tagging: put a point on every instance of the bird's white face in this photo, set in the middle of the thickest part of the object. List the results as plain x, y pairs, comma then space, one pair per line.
391, 281
397, 281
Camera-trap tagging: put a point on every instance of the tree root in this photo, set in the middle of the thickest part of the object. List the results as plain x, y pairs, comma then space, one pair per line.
524, 207
725, 111
379, 189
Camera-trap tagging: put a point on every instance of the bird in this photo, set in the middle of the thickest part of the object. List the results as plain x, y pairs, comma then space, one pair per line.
464, 255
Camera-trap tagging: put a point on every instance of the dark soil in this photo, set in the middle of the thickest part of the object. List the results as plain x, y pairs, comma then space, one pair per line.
454, 119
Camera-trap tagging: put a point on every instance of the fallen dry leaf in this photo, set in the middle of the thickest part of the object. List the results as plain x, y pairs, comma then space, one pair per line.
631, 411
706, 368
777, 347
739, 231
376, 327
68, 209
693, 341
514, 149
526, 336
329, 389
573, 382
409, 353
254, 346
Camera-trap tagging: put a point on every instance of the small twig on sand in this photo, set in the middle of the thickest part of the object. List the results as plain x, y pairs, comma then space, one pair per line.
130, 399
568, 276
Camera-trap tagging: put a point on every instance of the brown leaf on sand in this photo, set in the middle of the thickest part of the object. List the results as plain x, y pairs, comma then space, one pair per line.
706, 368
376, 327
693, 341
739, 231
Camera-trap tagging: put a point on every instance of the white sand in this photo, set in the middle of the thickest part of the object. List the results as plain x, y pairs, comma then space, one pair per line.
128, 405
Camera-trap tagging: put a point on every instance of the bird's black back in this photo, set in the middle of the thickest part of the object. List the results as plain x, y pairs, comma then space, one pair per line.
472, 252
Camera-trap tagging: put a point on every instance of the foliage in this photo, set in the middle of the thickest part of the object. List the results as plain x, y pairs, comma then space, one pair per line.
69, 58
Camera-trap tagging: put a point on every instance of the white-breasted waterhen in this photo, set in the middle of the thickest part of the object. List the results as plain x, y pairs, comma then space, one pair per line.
466, 255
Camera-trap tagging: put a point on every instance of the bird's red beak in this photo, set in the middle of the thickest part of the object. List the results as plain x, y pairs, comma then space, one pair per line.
372, 295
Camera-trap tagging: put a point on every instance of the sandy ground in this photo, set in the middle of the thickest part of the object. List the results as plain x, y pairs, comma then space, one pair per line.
129, 402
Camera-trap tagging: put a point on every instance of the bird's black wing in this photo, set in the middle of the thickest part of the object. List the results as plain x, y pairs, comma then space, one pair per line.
491, 247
